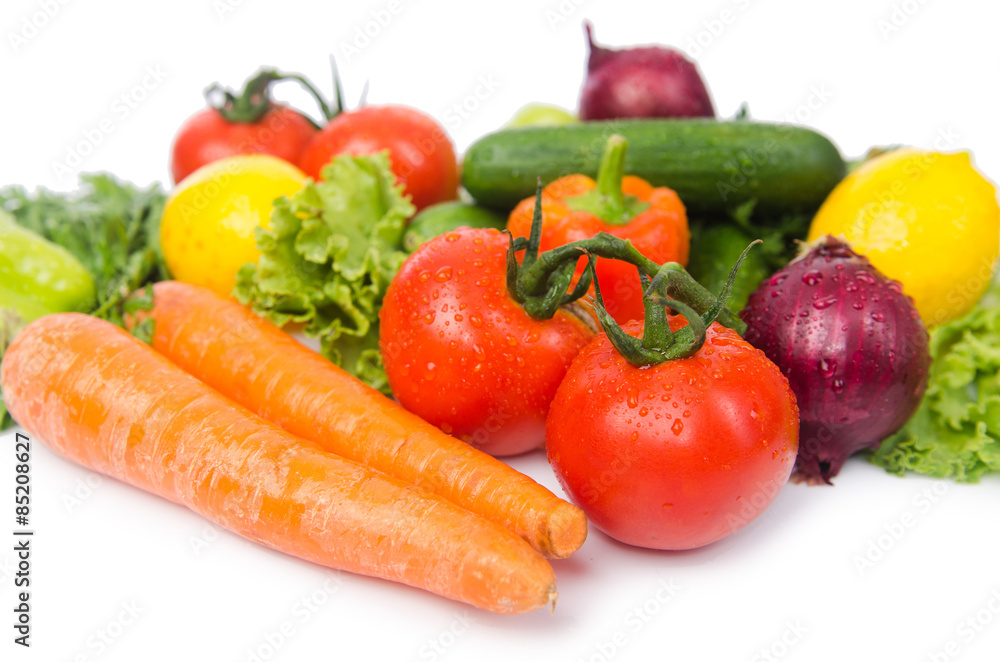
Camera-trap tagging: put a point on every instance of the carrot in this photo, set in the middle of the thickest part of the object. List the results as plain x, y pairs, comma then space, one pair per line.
263, 368
103, 399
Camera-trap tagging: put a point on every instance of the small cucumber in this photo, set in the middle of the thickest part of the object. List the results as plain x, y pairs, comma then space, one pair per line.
713, 166
445, 217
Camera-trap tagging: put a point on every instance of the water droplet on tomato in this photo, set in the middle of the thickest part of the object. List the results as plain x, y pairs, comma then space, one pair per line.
643, 411
443, 274
429, 318
677, 427
633, 398
424, 276
475, 320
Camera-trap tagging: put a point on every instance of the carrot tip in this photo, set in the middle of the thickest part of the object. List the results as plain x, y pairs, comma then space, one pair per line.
567, 530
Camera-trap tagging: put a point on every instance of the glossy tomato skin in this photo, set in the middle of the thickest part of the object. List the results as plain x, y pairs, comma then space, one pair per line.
678, 455
207, 136
422, 156
463, 355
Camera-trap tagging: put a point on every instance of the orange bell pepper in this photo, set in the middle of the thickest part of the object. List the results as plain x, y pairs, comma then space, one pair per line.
578, 207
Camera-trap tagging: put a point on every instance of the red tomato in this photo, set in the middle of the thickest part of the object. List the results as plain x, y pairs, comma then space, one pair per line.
207, 136
677, 455
463, 355
421, 153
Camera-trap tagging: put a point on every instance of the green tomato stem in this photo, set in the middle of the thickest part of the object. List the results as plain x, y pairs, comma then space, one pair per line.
540, 283
254, 100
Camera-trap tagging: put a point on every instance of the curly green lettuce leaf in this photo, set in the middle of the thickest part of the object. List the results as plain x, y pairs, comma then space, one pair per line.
955, 433
328, 257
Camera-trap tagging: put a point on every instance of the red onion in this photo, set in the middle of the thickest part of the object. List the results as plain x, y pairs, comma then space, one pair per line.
852, 347
650, 81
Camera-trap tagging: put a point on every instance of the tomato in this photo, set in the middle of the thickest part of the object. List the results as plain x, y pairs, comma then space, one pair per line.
207, 230
462, 354
675, 455
422, 155
208, 136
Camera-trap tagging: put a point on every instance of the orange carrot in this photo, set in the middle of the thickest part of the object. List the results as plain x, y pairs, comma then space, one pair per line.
105, 400
263, 368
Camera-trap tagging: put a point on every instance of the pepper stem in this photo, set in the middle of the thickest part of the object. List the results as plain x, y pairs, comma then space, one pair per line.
607, 201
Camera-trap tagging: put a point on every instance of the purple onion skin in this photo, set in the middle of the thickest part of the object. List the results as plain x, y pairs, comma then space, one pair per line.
650, 81
852, 346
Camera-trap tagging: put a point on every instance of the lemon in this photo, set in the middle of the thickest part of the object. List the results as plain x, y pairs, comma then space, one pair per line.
926, 219
207, 231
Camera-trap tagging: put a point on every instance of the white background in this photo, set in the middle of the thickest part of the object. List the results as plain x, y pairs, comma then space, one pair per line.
788, 587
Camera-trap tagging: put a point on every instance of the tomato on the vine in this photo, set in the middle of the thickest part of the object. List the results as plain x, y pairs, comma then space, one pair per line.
422, 156
461, 353
247, 122
675, 455
208, 136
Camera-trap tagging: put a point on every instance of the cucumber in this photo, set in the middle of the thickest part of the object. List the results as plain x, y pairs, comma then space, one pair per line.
445, 217
713, 166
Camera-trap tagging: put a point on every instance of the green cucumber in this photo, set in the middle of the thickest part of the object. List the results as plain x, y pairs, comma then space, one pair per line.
445, 217
713, 166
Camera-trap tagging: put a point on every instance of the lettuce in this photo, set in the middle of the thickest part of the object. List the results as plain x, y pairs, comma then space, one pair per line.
328, 257
955, 433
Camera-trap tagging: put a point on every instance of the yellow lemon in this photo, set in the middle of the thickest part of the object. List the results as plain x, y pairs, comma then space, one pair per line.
926, 219
207, 231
